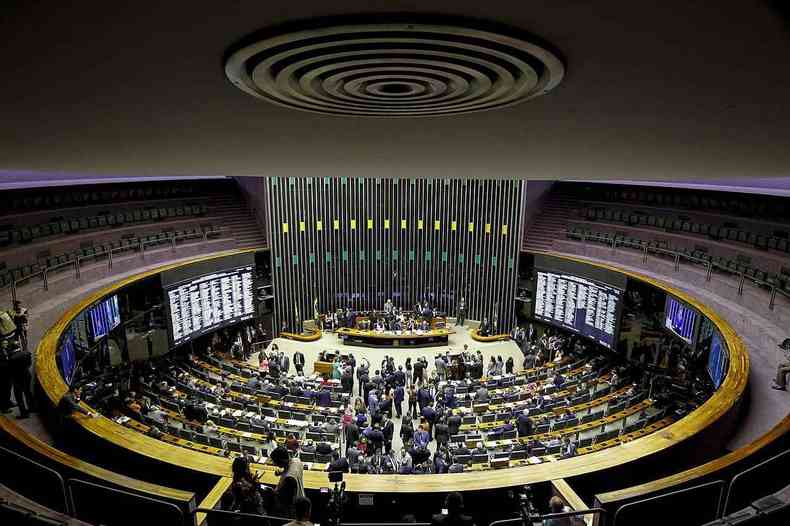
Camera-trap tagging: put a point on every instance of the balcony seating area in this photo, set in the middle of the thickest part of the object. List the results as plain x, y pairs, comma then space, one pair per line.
736, 265
52, 228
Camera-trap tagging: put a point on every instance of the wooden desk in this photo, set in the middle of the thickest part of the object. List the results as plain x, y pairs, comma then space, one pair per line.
476, 336
431, 338
312, 335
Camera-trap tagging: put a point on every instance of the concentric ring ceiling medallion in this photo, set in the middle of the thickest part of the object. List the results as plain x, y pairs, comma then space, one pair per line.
394, 70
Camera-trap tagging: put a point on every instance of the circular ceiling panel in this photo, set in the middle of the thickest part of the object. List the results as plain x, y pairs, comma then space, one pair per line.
394, 70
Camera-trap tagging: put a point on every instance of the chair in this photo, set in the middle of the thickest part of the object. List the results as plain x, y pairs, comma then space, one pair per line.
249, 450
508, 435
307, 456
226, 421
261, 430
233, 446
479, 458
519, 454
538, 451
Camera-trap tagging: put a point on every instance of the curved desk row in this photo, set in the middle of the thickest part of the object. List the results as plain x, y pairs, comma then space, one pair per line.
476, 336
362, 338
312, 335
719, 405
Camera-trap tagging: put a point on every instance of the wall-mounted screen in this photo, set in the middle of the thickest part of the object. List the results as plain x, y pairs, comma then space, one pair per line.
68, 356
718, 360
588, 307
104, 317
205, 303
680, 319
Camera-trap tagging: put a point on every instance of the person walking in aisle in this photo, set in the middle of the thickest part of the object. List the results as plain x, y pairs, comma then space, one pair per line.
299, 363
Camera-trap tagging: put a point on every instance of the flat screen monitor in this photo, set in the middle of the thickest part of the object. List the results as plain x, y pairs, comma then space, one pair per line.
680, 319
582, 305
103, 317
718, 360
198, 305
68, 357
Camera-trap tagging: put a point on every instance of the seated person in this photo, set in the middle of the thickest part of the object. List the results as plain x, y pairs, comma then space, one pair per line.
338, 463
455, 517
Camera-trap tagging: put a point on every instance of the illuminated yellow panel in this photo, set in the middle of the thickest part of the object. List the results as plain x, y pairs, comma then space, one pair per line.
471, 227
436, 225
386, 224
403, 224
504, 230
370, 224
419, 224
301, 226
353, 224
285, 228
319, 225
336, 224
454, 226
488, 228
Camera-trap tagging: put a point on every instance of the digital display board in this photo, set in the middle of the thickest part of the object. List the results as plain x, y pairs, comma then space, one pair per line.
680, 319
104, 317
205, 303
718, 360
582, 305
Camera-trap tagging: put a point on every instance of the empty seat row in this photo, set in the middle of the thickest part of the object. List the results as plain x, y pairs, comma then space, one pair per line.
778, 241
734, 266
64, 226
760, 206
7, 276
54, 198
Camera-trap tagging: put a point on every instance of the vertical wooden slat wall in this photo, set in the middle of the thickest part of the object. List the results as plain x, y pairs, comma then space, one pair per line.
356, 242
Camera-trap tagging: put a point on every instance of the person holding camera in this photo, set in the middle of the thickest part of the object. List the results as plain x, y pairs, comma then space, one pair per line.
244, 494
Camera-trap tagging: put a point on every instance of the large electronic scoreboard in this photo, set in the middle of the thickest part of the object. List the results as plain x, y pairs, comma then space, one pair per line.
202, 304
585, 306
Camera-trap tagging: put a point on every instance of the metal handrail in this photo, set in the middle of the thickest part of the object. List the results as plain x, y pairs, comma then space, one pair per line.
709, 264
75, 482
714, 483
66, 508
138, 247
575, 513
725, 508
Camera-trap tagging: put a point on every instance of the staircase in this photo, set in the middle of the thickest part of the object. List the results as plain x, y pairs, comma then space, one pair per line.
550, 223
229, 211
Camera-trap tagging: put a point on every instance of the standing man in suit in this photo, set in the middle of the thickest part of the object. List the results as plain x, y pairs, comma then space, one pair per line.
285, 363
398, 400
460, 317
299, 363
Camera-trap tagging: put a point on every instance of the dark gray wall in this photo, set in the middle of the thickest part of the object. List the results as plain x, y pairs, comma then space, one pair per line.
363, 254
